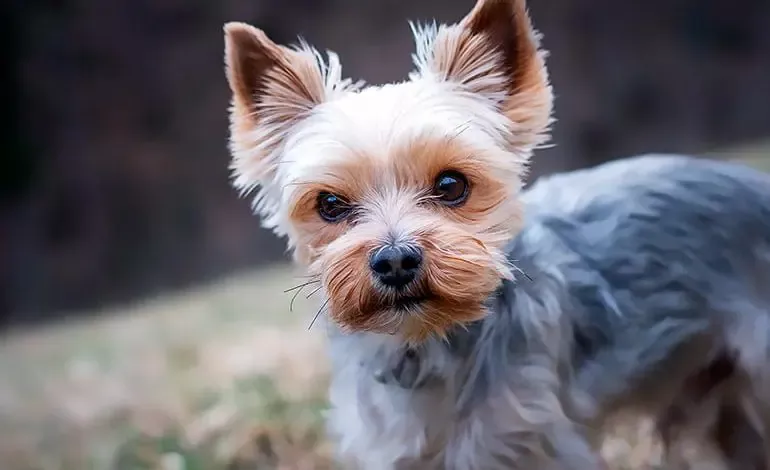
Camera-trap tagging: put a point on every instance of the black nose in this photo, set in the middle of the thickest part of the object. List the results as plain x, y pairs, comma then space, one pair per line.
396, 265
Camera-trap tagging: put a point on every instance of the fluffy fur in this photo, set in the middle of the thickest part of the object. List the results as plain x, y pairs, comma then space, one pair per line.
478, 102
639, 285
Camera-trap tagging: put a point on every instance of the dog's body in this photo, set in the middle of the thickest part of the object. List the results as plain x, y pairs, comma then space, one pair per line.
641, 273
478, 328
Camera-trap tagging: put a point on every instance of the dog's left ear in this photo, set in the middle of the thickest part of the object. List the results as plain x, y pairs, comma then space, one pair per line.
493, 52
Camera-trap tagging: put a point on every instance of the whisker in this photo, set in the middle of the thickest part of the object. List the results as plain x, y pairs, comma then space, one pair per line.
297, 290
300, 286
314, 291
293, 298
308, 276
317, 314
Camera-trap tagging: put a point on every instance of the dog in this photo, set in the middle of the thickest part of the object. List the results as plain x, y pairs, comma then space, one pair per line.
475, 325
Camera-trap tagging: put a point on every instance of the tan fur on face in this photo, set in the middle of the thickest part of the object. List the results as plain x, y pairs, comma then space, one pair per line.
478, 103
458, 274
391, 193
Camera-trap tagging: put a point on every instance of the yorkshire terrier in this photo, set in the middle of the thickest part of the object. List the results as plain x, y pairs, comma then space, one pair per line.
477, 326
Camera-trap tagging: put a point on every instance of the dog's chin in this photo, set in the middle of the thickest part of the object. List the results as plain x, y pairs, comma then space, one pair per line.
390, 314
415, 317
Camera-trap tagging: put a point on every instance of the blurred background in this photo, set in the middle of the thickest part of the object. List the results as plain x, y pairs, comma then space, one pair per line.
142, 308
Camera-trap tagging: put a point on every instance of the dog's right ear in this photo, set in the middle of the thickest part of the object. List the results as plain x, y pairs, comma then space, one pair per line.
273, 89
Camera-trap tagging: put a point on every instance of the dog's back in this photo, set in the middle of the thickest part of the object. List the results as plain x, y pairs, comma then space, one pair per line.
667, 260
726, 186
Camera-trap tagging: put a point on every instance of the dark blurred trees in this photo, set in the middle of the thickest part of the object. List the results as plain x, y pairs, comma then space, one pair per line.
114, 178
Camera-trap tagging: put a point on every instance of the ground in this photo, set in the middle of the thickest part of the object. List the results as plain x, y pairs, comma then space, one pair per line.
223, 377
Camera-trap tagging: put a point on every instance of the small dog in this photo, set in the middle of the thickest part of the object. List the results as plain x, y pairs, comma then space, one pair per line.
474, 325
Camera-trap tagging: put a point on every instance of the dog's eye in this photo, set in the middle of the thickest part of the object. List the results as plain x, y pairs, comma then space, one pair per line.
332, 208
451, 187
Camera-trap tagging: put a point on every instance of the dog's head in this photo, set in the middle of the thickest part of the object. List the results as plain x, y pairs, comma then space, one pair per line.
399, 198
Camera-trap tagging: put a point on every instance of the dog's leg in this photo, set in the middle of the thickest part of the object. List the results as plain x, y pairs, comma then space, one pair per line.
722, 429
741, 428
737, 439
744, 429
749, 335
693, 412
484, 446
520, 424
708, 410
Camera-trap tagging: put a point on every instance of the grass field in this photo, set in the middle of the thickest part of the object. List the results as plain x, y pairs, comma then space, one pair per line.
198, 380
224, 377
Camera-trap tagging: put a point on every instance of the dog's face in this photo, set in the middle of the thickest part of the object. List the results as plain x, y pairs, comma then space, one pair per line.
398, 198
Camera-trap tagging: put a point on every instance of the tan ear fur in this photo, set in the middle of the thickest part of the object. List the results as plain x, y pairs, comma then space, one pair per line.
494, 52
273, 88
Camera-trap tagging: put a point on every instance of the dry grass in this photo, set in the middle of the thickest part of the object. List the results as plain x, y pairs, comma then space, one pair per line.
207, 376
220, 378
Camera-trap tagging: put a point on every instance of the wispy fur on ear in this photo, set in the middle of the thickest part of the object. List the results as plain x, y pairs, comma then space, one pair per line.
493, 52
273, 89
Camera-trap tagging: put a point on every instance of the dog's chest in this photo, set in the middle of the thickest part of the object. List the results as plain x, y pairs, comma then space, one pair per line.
383, 421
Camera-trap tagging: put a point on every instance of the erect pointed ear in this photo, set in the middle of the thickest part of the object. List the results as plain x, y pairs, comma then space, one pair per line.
273, 89
493, 52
